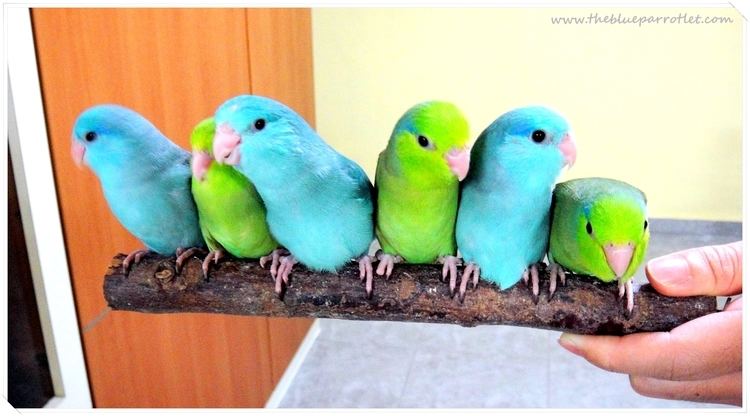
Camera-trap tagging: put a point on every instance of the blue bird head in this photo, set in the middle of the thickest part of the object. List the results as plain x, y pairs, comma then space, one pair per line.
533, 142
259, 135
109, 138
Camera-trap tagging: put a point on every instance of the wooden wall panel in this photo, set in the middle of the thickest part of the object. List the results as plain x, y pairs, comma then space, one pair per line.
174, 66
286, 75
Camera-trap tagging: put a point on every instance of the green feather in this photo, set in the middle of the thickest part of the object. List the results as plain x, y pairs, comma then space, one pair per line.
417, 194
616, 212
231, 213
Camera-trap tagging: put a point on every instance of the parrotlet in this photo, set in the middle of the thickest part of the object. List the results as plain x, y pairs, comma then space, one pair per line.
144, 176
232, 215
503, 221
599, 228
319, 203
416, 182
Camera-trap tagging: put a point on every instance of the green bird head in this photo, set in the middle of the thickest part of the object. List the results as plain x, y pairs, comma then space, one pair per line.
430, 142
201, 140
612, 226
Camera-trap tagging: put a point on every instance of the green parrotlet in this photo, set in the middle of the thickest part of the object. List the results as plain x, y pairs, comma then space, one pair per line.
232, 215
599, 228
417, 185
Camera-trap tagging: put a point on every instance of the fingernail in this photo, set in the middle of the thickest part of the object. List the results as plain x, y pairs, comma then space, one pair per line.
571, 343
669, 270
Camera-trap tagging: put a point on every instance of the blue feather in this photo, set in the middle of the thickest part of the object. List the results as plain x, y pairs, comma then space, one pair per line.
319, 203
144, 176
503, 217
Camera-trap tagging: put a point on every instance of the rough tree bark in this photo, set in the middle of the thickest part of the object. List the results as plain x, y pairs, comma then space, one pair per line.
413, 294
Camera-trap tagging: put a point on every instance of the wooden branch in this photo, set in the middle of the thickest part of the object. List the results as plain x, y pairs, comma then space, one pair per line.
413, 294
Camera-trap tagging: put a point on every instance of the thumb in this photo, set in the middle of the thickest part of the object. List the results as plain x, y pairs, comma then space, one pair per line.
710, 270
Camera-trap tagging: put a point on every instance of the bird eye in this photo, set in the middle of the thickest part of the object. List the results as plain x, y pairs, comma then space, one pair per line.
259, 124
538, 136
90, 136
423, 141
589, 228
645, 224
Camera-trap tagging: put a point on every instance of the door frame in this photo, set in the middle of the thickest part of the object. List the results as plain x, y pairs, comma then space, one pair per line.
40, 214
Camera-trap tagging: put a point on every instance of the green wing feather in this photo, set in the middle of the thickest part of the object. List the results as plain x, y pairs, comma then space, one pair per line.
413, 222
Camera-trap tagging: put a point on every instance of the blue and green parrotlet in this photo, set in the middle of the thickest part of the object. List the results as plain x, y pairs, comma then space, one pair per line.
319, 203
416, 181
145, 178
503, 217
263, 179
600, 229
231, 214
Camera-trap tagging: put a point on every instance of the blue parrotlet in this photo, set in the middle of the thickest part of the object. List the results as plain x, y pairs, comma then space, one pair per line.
319, 203
144, 176
503, 221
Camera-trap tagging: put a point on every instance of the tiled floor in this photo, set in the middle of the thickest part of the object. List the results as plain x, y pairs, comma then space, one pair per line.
388, 364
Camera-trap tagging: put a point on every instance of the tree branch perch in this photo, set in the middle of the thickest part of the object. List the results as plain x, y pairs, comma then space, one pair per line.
413, 294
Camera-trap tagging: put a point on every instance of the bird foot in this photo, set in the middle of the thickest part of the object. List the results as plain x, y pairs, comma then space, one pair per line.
365, 272
214, 255
555, 271
183, 254
533, 272
135, 257
450, 266
471, 269
274, 257
626, 288
286, 263
386, 262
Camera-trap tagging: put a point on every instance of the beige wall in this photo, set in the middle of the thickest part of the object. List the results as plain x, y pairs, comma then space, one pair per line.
658, 106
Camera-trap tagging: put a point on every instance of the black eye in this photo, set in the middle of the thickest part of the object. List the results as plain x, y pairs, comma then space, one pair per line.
538, 136
90, 136
589, 228
423, 141
645, 224
259, 124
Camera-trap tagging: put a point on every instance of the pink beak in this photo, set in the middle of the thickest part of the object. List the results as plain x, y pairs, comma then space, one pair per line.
200, 163
77, 150
568, 148
458, 162
618, 257
226, 145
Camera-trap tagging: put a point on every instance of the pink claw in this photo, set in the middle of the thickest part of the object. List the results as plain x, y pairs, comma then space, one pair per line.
135, 257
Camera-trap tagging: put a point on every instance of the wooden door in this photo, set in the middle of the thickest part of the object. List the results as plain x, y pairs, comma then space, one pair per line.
174, 66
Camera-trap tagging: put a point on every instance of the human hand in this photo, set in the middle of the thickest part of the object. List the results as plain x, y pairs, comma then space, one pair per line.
700, 360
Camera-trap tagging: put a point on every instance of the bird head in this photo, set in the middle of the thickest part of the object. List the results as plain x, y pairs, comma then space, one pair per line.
109, 137
253, 131
201, 140
432, 137
614, 228
535, 141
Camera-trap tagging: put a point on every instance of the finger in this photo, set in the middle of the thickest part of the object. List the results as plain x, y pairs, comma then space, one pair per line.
735, 304
706, 347
710, 270
726, 389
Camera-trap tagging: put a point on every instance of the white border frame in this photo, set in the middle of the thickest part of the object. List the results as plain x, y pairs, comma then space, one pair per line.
32, 168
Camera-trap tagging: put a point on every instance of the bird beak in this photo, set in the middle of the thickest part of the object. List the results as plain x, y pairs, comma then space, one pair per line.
458, 162
200, 163
77, 150
226, 145
619, 257
568, 148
